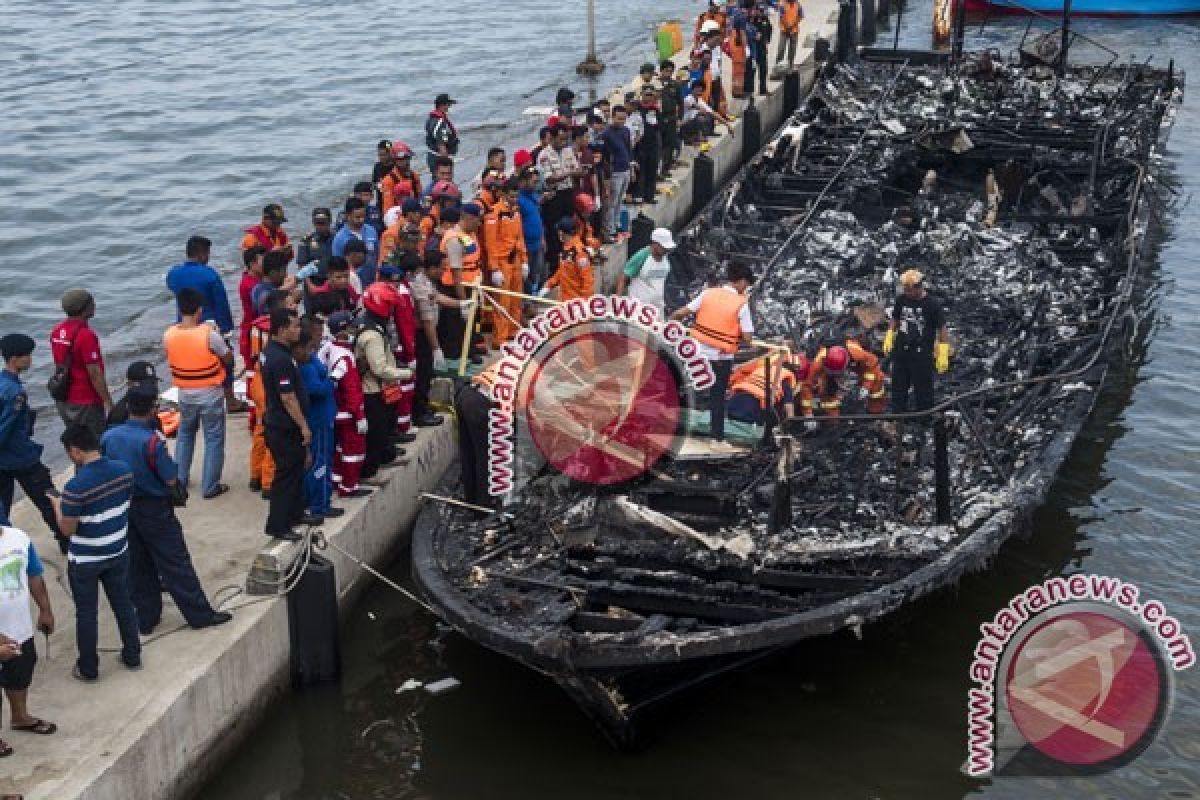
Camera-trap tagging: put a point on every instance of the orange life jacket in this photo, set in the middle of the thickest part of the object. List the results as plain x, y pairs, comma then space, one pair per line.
717, 320
395, 188
751, 378
789, 17
193, 364
471, 257
574, 277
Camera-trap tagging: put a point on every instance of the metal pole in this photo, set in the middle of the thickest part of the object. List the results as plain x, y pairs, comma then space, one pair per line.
960, 28
1066, 38
899, 19
590, 65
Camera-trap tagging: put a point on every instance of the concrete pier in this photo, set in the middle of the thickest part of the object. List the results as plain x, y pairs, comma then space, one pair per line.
161, 732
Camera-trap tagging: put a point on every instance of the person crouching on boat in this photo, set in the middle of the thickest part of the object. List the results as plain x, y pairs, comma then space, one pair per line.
823, 389
722, 323
920, 342
748, 387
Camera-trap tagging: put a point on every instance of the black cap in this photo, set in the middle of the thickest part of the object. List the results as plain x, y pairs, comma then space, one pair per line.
363, 186
384, 144
339, 321
16, 344
322, 215
647, 67
443, 99
146, 390
274, 211
141, 372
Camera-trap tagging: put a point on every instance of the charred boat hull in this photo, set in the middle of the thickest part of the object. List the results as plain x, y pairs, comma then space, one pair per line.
1025, 197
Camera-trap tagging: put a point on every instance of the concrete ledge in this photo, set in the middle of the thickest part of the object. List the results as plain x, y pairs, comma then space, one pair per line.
162, 731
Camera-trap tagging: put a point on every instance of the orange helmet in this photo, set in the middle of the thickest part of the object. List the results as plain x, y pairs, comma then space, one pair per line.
377, 299
584, 205
401, 150
836, 359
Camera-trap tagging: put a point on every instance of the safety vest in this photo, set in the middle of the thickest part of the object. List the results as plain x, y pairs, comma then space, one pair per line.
397, 188
470, 258
260, 235
789, 17
193, 364
753, 381
717, 320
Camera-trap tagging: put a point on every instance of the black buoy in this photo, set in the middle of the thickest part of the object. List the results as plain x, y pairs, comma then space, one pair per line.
704, 173
822, 50
846, 29
751, 132
867, 29
639, 232
791, 93
313, 625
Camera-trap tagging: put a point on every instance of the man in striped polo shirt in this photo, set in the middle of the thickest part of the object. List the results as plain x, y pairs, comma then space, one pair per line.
94, 512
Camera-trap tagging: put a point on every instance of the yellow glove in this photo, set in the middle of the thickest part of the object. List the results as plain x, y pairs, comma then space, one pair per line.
889, 341
941, 356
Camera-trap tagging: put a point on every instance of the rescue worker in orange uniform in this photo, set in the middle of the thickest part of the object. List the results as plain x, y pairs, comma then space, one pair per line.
508, 263
748, 387
714, 13
790, 14
262, 466
401, 182
462, 268
574, 276
393, 237
823, 389
442, 195
722, 323
269, 233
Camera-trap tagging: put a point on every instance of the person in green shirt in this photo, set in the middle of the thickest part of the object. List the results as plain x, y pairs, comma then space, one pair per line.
645, 275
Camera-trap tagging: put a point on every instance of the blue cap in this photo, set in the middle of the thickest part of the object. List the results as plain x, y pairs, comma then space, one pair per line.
473, 209
388, 272
410, 204
567, 224
339, 321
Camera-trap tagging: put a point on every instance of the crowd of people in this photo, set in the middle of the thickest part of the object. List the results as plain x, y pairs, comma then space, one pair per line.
339, 335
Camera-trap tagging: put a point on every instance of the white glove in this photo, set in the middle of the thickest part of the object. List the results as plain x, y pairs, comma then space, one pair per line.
811, 425
361, 426
304, 273
497, 278
863, 394
439, 360
524, 271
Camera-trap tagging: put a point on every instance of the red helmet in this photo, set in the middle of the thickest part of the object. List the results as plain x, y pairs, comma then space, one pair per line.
584, 205
401, 150
836, 359
444, 189
377, 299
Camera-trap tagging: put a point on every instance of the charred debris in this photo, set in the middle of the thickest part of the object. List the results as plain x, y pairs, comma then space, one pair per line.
1024, 196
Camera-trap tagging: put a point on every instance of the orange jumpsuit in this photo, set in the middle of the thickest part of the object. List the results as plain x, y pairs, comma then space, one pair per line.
822, 388
262, 466
504, 251
394, 188
574, 277
751, 378
735, 44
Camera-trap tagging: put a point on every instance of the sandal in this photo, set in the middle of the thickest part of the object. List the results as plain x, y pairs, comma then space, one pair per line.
38, 726
5, 749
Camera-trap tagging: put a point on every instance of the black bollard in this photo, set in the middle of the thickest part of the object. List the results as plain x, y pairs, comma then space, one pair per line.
791, 93
751, 132
846, 29
822, 51
639, 232
867, 24
313, 626
704, 182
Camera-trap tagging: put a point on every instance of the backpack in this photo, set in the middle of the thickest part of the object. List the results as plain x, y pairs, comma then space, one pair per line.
60, 382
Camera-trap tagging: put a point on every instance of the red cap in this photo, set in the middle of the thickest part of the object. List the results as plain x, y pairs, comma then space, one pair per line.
522, 158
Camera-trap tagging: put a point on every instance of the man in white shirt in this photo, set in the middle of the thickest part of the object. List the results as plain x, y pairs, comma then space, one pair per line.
20, 579
645, 274
722, 323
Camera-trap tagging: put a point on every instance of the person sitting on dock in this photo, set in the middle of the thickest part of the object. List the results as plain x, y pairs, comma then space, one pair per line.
722, 322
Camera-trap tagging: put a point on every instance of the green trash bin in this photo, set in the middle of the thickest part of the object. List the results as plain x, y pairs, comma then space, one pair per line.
665, 43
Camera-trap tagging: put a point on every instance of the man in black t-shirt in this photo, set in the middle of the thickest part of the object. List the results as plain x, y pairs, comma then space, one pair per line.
285, 428
918, 336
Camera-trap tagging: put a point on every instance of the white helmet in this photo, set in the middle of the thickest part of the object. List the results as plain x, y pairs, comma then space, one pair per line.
710, 26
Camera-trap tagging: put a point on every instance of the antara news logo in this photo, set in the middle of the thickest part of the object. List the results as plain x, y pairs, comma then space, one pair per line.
601, 385
1073, 677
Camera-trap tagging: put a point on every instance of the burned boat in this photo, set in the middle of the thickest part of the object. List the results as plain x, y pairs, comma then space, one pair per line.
1024, 195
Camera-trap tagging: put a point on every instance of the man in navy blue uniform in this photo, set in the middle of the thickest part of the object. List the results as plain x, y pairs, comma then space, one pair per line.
157, 549
20, 455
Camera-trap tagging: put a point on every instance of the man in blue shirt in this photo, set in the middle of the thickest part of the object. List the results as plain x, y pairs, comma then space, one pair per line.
94, 513
158, 554
529, 202
20, 455
195, 273
617, 146
356, 228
